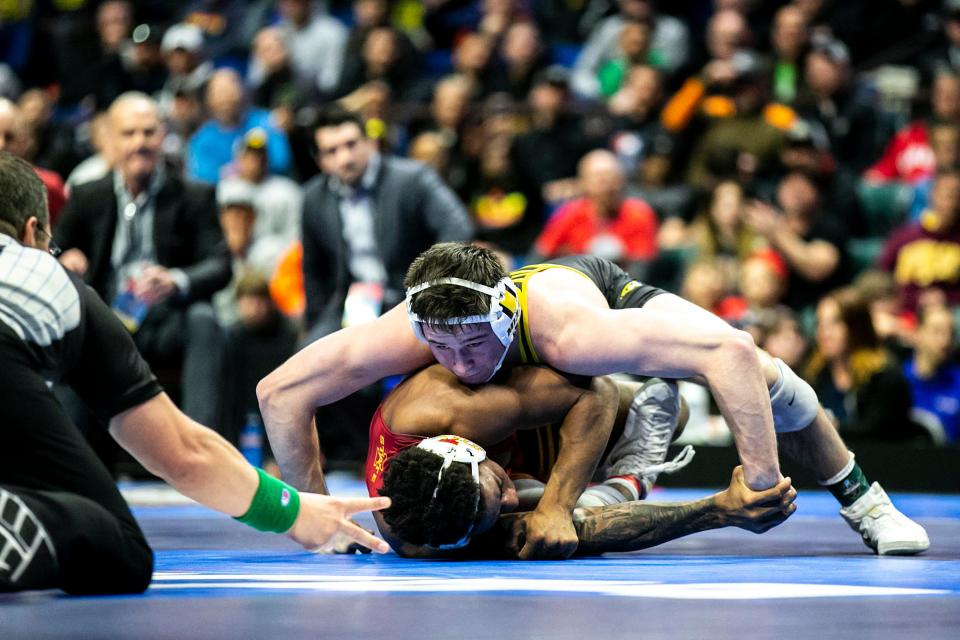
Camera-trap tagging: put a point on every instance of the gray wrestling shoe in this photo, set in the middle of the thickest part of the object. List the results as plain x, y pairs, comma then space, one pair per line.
883, 528
27, 555
651, 422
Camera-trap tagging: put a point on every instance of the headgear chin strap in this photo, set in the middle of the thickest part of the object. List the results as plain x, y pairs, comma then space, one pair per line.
456, 449
503, 314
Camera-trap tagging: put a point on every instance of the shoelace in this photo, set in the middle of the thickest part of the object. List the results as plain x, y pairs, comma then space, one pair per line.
681, 460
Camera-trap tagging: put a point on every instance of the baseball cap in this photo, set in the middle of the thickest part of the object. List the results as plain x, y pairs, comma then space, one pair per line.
832, 48
188, 37
146, 34
255, 140
234, 192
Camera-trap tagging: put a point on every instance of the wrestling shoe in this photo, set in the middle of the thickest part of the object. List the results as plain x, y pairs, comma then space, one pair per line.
27, 557
883, 528
641, 451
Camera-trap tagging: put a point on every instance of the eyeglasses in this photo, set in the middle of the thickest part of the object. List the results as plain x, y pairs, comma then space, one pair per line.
52, 247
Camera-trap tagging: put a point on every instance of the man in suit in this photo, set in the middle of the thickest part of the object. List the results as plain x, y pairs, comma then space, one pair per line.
150, 244
365, 218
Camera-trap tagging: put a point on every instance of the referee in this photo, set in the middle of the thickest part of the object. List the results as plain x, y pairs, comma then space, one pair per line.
63, 523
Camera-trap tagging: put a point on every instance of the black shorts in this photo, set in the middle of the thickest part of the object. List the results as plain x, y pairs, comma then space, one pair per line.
620, 290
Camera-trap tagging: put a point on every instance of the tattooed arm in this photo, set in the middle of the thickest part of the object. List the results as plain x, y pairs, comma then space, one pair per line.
637, 525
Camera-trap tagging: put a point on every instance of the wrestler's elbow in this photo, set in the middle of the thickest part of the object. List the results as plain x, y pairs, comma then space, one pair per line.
734, 350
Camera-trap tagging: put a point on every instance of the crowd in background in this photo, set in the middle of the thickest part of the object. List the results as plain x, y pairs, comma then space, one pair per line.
239, 177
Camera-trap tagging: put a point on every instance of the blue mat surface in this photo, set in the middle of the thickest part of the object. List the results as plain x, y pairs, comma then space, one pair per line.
809, 578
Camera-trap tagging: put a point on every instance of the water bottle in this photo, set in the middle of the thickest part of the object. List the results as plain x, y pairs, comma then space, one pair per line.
251, 439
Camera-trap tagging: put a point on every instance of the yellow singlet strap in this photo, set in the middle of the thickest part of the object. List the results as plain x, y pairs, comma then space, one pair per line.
528, 354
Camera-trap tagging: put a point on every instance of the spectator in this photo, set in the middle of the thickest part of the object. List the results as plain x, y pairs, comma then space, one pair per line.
144, 61
603, 222
706, 284
523, 57
448, 118
719, 232
789, 39
830, 99
945, 145
380, 60
277, 88
364, 220
810, 241
276, 200
237, 219
924, 256
908, 157
473, 60
114, 24
149, 242
945, 55
212, 146
188, 69
316, 43
54, 145
670, 43
934, 376
859, 383
634, 38
101, 162
762, 281
259, 341
545, 157
16, 138
635, 111
782, 337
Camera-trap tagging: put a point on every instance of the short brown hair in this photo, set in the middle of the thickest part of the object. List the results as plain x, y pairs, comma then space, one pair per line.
24, 195
470, 262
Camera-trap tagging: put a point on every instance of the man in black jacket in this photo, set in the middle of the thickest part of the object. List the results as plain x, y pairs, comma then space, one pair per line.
150, 244
365, 219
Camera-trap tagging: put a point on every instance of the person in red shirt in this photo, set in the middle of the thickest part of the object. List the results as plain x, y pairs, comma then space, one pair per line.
603, 222
908, 157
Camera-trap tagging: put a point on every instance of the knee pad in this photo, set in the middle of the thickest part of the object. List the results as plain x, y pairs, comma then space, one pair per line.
794, 402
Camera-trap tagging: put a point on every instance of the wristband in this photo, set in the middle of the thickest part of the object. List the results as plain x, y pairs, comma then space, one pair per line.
275, 506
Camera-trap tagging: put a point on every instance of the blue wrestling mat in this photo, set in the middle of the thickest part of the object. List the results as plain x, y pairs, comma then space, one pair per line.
809, 578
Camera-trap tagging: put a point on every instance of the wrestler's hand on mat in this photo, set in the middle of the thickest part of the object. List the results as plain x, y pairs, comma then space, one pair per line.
341, 544
756, 511
549, 535
325, 520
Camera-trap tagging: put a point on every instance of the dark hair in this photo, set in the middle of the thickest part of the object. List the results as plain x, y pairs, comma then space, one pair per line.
23, 195
855, 314
415, 516
453, 260
336, 115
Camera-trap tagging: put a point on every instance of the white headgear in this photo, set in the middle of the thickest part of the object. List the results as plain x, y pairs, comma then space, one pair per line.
456, 449
503, 314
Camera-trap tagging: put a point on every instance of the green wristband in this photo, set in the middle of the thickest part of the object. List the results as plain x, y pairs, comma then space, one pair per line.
275, 506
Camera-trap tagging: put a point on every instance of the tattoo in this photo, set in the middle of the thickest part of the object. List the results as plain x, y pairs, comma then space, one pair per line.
638, 525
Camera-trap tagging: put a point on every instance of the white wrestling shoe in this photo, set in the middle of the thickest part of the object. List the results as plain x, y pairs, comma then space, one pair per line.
24, 543
883, 528
651, 422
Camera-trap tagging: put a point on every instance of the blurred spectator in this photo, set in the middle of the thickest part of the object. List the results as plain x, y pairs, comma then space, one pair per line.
669, 45
523, 57
188, 69
237, 220
934, 375
473, 59
945, 55
603, 222
719, 232
380, 60
316, 44
908, 157
149, 242
830, 99
364, 220
742, 131
114, 24
54, 145
782, 337
278, 90
259, 341
228, 26
212, 146
448, 118
635, 111
497, 17
276, 201
945, 145
545, 157
634, 41
924, 256
857, 381
144, 60
16, 138
101, 162
789, 39
810, 241
762, 281
706, 284
879, 290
